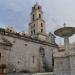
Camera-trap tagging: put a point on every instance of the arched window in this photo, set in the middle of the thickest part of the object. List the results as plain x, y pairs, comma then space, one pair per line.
52, 60
42, 51
39, 15
34, 31
41, 30
38, 7
33, 16
41, 24
33, 59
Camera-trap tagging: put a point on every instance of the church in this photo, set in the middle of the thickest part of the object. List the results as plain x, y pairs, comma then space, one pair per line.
32, 51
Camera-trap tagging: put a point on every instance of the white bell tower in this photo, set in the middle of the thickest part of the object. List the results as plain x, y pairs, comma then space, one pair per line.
37, 23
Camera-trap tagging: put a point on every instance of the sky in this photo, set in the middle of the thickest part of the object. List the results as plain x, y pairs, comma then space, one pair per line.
16, 13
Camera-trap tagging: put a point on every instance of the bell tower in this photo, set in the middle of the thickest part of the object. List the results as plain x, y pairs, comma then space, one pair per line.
37, 23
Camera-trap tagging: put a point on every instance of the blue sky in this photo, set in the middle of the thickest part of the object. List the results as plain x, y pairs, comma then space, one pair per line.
16, 13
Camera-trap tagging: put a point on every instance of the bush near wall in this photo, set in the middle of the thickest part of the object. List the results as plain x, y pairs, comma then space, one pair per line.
2, 67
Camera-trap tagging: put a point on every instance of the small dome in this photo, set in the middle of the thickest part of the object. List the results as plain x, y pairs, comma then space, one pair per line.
36, 6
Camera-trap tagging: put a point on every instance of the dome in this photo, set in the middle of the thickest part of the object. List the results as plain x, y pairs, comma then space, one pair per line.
36, 6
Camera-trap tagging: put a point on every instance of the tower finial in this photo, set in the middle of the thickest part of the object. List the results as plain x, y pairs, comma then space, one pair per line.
64, 24
36, 4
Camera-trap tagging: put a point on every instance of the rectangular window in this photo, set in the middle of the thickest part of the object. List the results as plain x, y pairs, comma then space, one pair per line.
41, 24
34, 31
34, 25
33, 59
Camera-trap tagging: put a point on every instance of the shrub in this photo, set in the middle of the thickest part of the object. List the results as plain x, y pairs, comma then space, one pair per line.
2, 66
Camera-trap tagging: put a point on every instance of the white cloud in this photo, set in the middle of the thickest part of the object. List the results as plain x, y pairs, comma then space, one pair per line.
56, 12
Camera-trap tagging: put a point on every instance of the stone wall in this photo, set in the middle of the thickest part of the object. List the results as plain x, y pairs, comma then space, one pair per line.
20, 55
18, 74
64, 63
46, 73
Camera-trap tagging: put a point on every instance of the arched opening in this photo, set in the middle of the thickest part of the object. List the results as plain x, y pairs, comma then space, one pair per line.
41, 24
42, 51
39, 15
33, 16
38, 7
41, 30
33, 59
34, 31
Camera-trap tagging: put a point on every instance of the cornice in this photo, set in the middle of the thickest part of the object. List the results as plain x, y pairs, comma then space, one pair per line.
28, 38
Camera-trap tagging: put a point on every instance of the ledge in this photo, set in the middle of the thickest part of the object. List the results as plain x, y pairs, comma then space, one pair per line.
26, 38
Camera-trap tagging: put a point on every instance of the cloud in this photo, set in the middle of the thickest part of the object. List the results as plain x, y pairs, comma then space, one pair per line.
17, 13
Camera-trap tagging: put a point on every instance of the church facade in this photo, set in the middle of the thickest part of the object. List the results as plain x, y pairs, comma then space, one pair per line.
31, 52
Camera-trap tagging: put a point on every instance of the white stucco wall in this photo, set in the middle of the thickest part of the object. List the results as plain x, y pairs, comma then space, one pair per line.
22, 52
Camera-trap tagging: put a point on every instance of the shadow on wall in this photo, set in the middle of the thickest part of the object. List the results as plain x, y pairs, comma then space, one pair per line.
47, 68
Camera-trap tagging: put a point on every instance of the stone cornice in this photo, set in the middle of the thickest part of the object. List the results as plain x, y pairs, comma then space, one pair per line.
35, 11
4, 44
28, 38
36, 20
